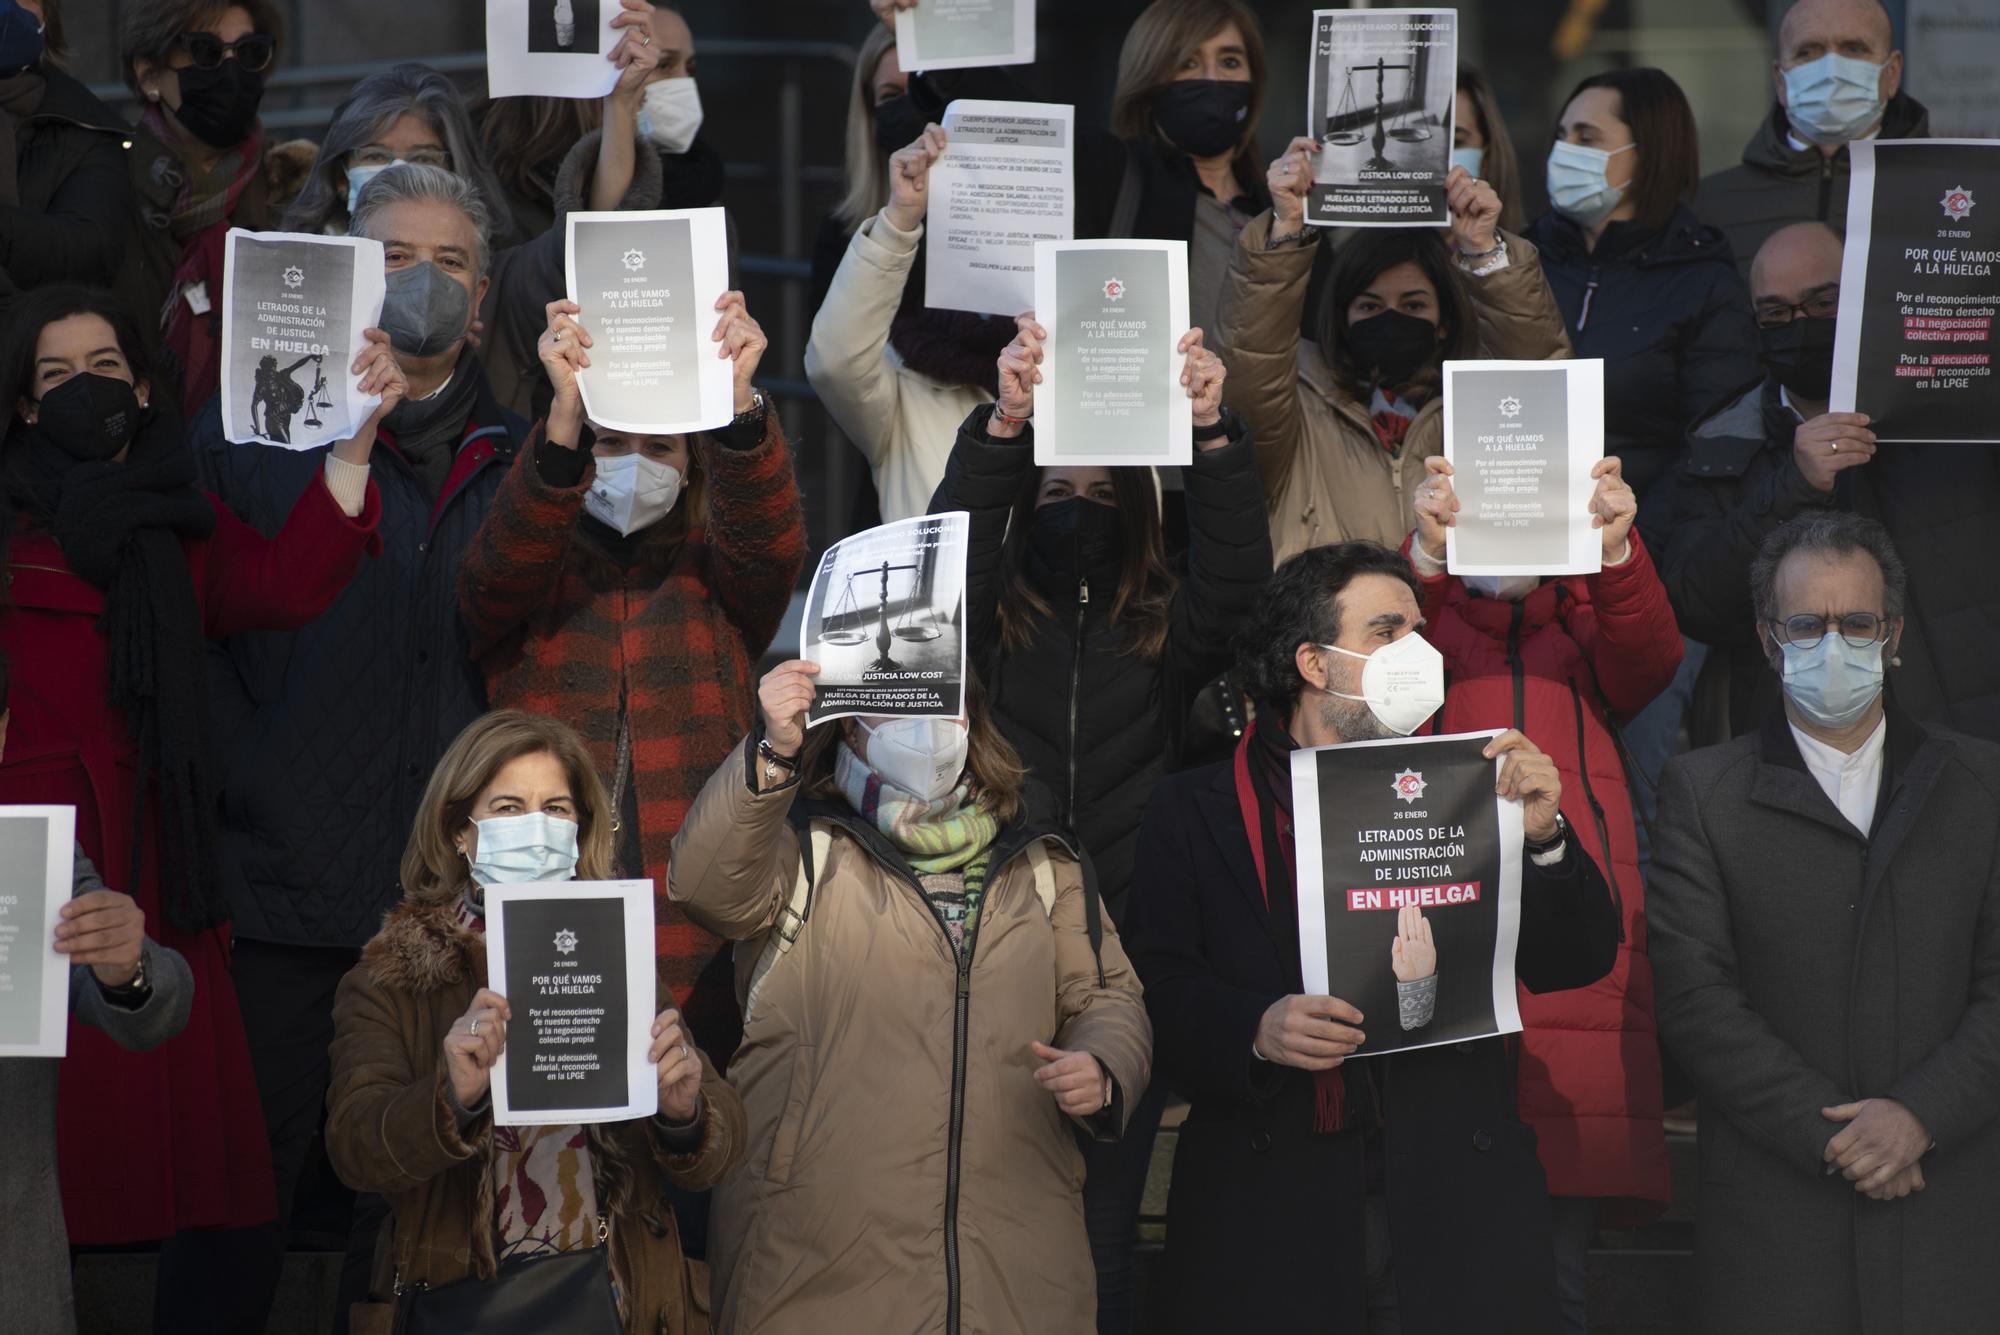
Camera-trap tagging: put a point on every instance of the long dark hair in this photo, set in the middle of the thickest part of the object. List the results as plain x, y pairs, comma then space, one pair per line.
1362, 259
1655, 109
1500, 168
1146, 585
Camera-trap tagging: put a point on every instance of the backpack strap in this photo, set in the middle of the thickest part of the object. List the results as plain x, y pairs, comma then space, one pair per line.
1045, 877
791, 920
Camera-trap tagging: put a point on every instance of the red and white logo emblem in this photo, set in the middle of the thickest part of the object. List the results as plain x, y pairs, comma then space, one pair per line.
1409, 784
1114, 288
1957, 203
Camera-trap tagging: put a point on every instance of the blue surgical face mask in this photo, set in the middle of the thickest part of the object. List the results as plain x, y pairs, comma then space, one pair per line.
1832, 99
1833, 683
360, 176
1472, 159
20, 38
514, 850
1578, 187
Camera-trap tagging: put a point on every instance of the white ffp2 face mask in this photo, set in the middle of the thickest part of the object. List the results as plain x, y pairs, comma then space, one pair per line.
1402, 682
671, 115
632, 492
922, 756
1506, 588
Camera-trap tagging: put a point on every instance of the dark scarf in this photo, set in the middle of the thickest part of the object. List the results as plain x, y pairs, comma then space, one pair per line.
120, 526
429, 431
954, 347
20, 98
1345, 1096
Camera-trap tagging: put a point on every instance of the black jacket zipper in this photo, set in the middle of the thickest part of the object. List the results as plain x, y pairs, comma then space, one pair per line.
1075, 689
1589, 292
1596, 807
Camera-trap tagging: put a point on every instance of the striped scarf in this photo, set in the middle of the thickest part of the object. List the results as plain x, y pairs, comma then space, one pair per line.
934, 836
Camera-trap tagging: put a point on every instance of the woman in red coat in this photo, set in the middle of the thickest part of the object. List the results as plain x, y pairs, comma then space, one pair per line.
116, 571
627, 584
1567, 660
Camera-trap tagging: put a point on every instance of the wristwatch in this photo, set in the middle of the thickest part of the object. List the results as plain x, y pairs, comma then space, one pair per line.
1553, 842
139, 986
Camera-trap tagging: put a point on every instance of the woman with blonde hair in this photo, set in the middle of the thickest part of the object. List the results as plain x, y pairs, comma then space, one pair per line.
930, 1005
575, 1210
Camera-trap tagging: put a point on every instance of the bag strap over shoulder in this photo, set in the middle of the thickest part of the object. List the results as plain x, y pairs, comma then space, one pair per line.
1045, 876
784, 933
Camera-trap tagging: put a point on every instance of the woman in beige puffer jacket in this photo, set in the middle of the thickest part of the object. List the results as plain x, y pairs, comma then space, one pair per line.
912, 1063
1330, 473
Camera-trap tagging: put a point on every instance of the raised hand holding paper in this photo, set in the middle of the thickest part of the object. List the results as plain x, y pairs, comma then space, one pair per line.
646, 285
296, 314
965, 34
1005, 182
885, 620
1522, 437
1403, 845
574, 959
1920, 290
1110, 392
37, 853
550, 48
1381, 93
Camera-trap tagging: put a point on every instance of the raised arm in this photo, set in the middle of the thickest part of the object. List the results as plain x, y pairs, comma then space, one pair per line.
1263, 301
846, 354
756, 525
1742, 1067
1627, 632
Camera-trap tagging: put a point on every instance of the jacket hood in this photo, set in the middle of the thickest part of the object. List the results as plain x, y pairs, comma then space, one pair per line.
422, 949
66, 99
1685, 239
1494, 617
1770, 149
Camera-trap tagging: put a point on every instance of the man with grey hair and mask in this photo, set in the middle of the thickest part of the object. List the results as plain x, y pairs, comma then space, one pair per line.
327, 734
1310, 1193
1825, 901
1837, 77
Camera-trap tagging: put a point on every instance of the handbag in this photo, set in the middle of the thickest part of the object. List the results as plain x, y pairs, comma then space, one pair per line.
565, 1294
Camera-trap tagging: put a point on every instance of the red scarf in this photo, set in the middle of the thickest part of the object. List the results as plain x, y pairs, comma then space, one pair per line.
1264, 795
201, 224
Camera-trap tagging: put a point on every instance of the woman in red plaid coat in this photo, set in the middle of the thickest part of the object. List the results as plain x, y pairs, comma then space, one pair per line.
628, 584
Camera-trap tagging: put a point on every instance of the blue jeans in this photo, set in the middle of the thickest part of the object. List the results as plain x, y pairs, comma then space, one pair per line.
1653, 736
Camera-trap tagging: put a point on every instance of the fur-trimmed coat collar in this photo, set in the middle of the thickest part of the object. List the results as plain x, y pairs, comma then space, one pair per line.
422, 949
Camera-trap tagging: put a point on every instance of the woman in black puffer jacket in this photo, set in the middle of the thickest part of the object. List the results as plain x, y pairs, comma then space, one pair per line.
1093, 651
1642, 282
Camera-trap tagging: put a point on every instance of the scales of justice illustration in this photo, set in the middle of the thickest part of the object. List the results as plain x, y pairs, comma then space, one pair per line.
321, 397
1406, 126
910, 625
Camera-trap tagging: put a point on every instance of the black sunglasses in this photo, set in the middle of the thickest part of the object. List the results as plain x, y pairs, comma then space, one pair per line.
254, 52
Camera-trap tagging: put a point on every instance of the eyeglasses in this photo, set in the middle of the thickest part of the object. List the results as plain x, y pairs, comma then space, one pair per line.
254, 51
1807, 629
1821, 305
374, 155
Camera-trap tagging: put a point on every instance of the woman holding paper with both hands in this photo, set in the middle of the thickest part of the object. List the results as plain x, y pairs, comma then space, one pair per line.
629, 583
516, 799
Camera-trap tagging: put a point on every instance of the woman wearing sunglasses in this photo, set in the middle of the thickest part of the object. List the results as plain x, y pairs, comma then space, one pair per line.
199, 165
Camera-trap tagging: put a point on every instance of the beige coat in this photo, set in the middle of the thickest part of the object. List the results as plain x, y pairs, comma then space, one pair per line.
1326, 476
904, 423
390, 1129
898, 1135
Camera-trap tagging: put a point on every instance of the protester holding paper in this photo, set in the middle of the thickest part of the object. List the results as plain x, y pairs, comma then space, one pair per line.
1482, 145
1775, 453
418, 1029
930, 1009
667, 563
118, 571
1096, 651
1569, 659
1343, 424
1311, 1192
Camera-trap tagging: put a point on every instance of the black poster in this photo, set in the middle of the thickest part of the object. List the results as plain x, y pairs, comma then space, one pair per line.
1919, 290
566, 959
1409, 828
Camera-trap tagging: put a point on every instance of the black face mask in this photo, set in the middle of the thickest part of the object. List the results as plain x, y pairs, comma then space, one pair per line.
1799, 354
897, 123
1074, 540
219, 106
1203, 117
89, 417
1392, 347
